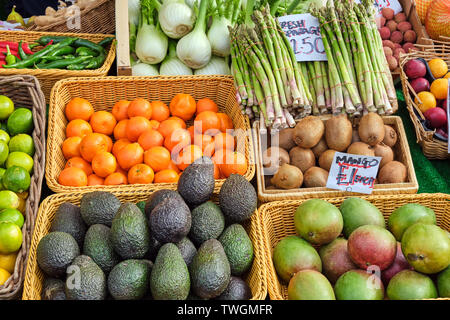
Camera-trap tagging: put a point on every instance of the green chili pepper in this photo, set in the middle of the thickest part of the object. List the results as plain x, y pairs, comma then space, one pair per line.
96, 62
85, 51
63, 51
52, 58
60, 64
80, 66
106, 41
46, 39
10, 59
89, 44
22, 53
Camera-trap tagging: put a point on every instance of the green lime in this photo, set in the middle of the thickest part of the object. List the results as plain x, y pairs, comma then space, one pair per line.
16, 179
20, 159
4, 152
6, 107
12, 215
2, 172
10, 237
9, 200
20, 121
4, 136
22, 142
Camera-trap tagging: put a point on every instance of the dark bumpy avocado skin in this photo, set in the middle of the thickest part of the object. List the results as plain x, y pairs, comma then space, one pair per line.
196, 184
157, 197
129, 280
55, 252
169, 279
238, 248
210, 270
237, 289
187, 250
98, 246
170, 221
129, 232
68, 219
53, 289
92, 280
237, 199
207, 223
99, 207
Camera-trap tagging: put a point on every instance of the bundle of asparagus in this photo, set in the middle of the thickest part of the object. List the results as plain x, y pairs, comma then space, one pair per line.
359, 79
270, 85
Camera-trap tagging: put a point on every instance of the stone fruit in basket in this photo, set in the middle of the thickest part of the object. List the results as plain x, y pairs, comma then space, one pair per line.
407, 215
420, 84
409, 285
437, 117
371, 245
398, 265
310, 285
335, 259
359, 285
426, 247
415, 69
443, 283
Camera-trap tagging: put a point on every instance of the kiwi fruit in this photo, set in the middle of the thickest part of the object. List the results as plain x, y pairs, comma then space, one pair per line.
320, 148
371, 129
355, 136
326, 159
385, 152
361, 148
308, 132
392, 172
315, 177
302, 158
275, 157
338, 132
288, 177
390, 136
285, 139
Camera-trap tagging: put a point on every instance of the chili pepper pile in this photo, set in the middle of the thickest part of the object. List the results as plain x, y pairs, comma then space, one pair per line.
57, 52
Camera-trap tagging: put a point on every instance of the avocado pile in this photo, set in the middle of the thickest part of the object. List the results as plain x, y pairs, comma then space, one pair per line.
177, 245
408, 259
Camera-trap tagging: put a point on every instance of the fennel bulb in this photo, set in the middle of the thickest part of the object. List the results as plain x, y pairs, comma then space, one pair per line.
151, 42
134, 11
217, 65
191, 3
142, 70
194, 48
172, 66
176, 18
219, 37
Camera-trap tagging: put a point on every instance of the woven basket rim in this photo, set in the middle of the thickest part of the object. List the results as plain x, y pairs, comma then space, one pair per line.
12, 287
46, 206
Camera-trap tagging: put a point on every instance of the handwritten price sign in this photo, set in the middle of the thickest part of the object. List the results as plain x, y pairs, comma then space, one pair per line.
303, 32
380, 4
353, 173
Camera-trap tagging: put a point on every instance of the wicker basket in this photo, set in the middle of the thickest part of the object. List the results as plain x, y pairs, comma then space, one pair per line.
256, 277
48, 77
99, 18
276, 222
432, 147
401, 151
25, 92
103, 93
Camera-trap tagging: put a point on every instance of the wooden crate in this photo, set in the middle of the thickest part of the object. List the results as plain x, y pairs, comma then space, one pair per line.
401, 151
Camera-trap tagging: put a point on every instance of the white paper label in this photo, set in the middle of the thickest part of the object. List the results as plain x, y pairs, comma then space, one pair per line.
353, 173
380, 4
303, 32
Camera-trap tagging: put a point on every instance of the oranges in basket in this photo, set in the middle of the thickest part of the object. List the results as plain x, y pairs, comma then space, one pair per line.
143, 141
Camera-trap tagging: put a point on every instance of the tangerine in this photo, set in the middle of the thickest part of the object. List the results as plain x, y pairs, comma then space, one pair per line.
78, 128
136, 126
103, 122
166, 176
103, 164
79, 162
130, 155
140, 108
160, 111
150, 138
79, 108
71, 147
120, 110
158, 158
73, 177
140, 174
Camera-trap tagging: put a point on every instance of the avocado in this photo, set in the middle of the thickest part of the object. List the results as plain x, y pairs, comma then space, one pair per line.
98, 246
99, 207
237, 289
159, 196
129, 232
55, 252
170, 221
129, 280
238, 248
85, 280
237, 199
53, 289
207, 223
68, 219
187, 250
196, 183
169, 279
210, 270
141, 206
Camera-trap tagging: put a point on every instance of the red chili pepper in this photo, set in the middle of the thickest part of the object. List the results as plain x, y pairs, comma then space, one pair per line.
2, 62
14, 46
48, 44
